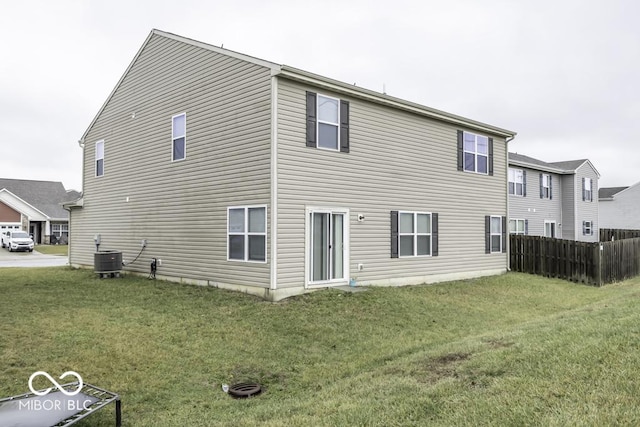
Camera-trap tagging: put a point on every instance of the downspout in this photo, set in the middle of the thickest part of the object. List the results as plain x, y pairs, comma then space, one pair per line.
274, 183
81, 144
508, 242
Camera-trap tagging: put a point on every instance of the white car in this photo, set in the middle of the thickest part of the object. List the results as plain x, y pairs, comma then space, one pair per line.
17, 241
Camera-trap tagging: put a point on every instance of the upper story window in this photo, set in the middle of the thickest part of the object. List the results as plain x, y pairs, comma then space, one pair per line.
179, 137
587, 189
545, 186
517, 179
327, 122
475, 153
100, 158
247, 233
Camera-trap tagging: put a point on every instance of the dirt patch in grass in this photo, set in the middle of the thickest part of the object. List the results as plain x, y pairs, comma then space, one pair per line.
433, 369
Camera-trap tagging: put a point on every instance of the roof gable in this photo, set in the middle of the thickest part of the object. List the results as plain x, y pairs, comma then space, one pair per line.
304, 76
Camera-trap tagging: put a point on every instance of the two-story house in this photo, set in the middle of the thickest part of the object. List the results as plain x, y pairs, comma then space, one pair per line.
619, 207
249, 175
553, 199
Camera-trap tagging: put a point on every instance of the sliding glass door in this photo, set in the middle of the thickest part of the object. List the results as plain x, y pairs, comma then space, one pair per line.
327, 246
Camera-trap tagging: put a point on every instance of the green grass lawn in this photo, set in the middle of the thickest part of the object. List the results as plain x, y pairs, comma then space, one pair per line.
52, 249
510, 350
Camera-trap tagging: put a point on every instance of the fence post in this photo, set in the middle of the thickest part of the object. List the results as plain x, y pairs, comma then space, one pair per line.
598, 262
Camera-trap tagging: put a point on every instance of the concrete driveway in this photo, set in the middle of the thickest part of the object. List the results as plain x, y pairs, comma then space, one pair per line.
30, 259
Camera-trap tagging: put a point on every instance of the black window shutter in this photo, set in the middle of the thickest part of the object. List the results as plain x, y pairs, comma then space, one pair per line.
524, 183
460, 151
434, 234
584, 226
526, 226
490, 156
487, 234
541, 187
311, 119
504, 234
550, 188
344, 126
584, 191
394, 234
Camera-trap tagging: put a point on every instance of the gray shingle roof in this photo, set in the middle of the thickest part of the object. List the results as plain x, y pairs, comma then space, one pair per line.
609, 192
46, 196
520, 158
566, 167
569, 165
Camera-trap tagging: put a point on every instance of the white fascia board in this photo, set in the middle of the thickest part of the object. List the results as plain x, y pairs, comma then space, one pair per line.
17, 204
587, 161
79, 203
220, 50
390, 101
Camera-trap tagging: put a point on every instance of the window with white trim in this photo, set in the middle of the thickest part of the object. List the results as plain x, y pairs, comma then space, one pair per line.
496, 234
588, 190
327, 122
545, 191
517, 226
247, 233
59, 229
179, 137
476, 153
100, 158
516, 182
549, 228
414, 234
587, 228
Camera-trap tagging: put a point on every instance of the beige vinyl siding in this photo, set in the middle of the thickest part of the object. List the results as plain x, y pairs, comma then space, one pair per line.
569, 207
535, 209
397, 161
179, 207
586, 211
622, 211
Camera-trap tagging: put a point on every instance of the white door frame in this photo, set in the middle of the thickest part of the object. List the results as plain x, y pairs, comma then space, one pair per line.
555, 228
307, 247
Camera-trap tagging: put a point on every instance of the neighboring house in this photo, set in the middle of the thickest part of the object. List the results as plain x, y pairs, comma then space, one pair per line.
553, 199
248, 175
620, 207
35, 207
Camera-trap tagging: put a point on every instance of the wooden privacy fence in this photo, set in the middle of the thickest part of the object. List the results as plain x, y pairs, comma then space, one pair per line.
608, 234
592, 263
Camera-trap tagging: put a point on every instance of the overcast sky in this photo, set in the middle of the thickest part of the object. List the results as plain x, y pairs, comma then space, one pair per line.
564, 75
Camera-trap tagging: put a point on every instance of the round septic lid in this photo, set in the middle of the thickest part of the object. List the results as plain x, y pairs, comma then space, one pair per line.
243, 390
